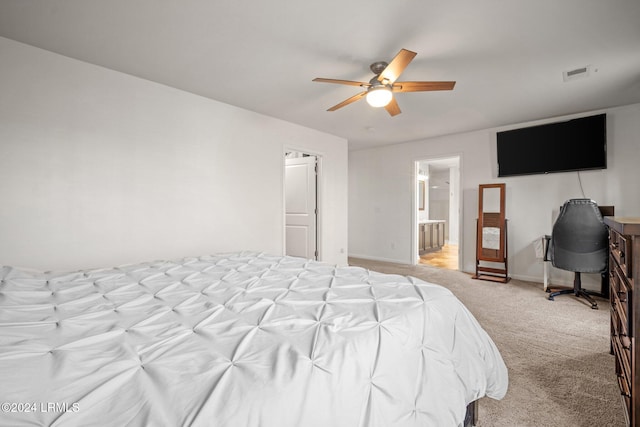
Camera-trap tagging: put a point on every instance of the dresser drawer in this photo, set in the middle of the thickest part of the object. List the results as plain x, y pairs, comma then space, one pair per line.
619, 330
620, 298
620, 249
623, 365
626, 396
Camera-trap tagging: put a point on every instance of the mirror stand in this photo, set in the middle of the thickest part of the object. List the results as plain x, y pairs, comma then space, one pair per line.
491, 234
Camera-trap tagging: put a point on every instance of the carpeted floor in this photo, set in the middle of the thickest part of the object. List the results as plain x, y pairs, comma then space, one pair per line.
560, 370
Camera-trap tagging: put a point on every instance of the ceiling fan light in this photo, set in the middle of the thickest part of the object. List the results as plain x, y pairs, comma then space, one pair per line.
379, 96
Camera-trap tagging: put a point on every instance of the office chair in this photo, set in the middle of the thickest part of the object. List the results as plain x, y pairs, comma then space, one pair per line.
579, 243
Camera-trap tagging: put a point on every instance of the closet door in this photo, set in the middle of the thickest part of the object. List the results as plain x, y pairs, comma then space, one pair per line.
300, 206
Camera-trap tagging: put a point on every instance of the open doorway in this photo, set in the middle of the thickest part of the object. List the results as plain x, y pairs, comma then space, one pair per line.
437, 224
301, 204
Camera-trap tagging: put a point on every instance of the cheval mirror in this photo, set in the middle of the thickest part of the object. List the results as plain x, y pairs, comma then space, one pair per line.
491, 234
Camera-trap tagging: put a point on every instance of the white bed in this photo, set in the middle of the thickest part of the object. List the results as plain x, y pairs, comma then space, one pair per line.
238, 340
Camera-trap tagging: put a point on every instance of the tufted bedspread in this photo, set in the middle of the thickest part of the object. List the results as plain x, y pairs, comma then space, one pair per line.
238, 340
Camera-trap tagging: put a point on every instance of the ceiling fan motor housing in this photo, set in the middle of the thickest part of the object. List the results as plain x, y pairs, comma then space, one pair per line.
378, 67
375, 83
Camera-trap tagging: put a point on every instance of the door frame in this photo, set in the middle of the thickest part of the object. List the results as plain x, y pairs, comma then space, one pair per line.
319, 198
415, 257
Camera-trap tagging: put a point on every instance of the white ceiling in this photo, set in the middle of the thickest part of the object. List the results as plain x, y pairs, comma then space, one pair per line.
506, 56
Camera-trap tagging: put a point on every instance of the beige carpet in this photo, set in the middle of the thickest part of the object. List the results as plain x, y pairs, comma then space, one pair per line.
557, 352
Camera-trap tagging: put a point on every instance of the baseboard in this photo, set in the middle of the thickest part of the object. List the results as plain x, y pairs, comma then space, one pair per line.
381, 259
526, 278
555, 283
536, 279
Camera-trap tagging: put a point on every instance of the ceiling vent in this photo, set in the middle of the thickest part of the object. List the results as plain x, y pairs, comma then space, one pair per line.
577, 73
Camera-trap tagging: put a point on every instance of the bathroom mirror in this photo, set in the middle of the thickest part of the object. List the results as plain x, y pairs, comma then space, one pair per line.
491, 237
421, 194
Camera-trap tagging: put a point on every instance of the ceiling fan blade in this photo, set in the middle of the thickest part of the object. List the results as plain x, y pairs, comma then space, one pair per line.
422, 86
396, 66
346, 102
341, 82
392, 108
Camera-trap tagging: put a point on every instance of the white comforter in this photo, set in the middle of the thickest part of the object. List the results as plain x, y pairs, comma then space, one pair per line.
238, 340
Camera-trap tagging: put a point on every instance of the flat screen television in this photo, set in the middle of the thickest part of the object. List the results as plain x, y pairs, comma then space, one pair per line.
573, 145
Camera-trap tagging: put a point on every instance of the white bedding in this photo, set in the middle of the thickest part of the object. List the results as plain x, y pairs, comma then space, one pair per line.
238, 340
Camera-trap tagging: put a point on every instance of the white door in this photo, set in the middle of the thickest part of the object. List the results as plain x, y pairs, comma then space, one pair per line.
300, 207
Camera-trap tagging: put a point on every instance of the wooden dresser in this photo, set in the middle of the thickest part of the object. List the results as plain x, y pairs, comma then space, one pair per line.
624, 274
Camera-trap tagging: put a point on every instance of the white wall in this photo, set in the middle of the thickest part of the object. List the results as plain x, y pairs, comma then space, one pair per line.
380, 186
99, 168
439, 197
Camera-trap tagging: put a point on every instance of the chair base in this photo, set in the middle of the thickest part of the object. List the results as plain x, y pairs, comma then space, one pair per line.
577, 291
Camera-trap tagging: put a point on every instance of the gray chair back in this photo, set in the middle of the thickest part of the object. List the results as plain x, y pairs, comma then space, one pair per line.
579, 240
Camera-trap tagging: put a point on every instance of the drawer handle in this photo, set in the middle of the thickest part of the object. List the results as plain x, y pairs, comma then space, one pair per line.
625, 341
622, 296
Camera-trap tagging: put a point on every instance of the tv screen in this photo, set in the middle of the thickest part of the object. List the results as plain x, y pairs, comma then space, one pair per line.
573, 145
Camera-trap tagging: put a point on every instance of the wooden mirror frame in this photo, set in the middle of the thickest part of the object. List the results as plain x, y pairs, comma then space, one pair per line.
493, 220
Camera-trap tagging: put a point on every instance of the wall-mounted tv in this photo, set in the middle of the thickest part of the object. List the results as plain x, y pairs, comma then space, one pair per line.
573, 145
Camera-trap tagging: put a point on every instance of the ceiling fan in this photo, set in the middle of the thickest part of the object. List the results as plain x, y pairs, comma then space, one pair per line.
379, 91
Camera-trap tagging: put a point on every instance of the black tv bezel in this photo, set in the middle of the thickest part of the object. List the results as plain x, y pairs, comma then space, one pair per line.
543, 171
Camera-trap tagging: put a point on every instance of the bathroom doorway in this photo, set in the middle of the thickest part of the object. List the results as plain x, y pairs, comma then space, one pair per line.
438, 208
